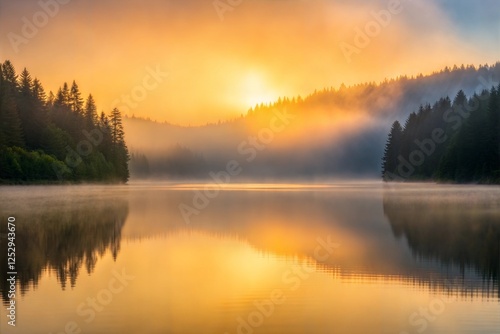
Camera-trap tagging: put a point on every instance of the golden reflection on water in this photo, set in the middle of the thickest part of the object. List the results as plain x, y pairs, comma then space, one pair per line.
203, 284
249, 262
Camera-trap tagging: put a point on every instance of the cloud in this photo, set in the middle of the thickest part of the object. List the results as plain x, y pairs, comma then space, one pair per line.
293, 45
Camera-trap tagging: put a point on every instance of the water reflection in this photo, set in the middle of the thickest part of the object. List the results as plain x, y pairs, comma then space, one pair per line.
61, 235
456, 230
453, 233
400, 251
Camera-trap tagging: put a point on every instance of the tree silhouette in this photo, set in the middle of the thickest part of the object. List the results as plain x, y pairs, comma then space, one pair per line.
90, 112
120, 153
38, 134
392, 151
75, 99
469, 152
10, 124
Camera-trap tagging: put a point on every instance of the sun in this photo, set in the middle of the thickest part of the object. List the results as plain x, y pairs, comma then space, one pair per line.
255, 89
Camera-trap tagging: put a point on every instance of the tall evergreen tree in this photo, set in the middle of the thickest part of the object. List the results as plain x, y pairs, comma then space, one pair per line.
460, 99
115, 121
90, 112
75, 99
39, 92
392, 151
120, 151
26, 84
492, 132
50, 100
29, 111
9, 74
62, 97
10, 124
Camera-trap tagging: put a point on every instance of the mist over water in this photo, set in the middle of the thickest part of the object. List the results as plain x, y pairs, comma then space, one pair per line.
329, 133
333, 251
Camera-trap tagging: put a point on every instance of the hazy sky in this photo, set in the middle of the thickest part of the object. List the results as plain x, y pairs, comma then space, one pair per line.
219, 63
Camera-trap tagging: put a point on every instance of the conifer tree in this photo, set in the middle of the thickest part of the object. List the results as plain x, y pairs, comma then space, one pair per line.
90, 112
9, 74
492, 131
62, 99
119, 148
50, 100
26, 84
36, 131
75, 99
392, 151
29, 111
10, 124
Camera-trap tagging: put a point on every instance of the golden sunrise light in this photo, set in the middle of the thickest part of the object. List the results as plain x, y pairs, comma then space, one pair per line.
250, 166
218, 69
255, 89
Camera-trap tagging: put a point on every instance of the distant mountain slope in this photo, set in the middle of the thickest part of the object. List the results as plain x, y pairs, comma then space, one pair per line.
333, 132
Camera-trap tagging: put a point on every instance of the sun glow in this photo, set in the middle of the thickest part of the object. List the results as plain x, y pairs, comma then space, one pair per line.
255, 89
218, 71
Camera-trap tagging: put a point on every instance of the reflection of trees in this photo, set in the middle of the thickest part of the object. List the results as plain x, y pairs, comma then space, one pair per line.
62, 237
452, 230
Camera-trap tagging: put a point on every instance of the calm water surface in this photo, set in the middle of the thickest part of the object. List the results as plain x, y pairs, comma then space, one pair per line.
329, 258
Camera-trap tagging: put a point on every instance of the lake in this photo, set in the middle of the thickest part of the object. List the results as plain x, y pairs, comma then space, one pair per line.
354, 257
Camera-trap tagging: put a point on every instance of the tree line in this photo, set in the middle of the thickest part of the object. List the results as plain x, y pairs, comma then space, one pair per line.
53, 138
452, 141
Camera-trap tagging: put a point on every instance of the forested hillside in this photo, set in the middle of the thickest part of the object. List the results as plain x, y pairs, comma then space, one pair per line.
47, 137
333, 132
455, 141
55, 138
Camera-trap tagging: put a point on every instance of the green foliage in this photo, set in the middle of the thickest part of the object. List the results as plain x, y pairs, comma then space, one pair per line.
56, 138
21, 165
457, 142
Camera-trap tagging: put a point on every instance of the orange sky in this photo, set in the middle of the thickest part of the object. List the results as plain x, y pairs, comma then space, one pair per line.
217, 69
